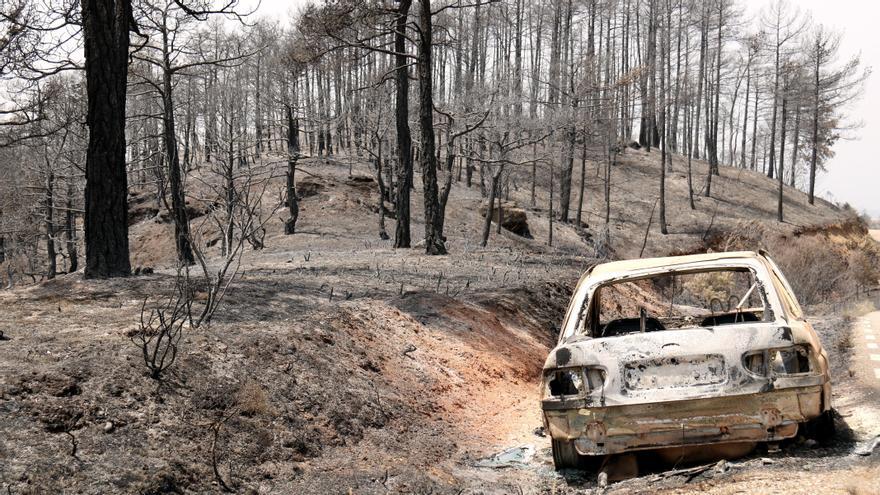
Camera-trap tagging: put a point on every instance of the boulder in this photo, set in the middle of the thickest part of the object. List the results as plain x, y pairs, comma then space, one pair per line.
308, 187
514, 218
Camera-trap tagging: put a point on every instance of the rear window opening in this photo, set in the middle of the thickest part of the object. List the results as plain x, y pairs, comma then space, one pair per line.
675, 300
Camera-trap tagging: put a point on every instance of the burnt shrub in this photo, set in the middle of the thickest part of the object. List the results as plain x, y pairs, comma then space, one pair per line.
825, 263
814, 269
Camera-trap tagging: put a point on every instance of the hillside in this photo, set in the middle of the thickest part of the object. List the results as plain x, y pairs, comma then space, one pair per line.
340, 365
338, 213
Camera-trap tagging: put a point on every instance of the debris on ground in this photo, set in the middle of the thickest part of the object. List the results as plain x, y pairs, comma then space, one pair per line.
512, 457
868, 447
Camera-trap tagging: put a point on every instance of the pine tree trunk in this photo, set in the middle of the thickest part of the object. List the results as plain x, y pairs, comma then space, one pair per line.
695, 135
795, 144
664, 54
49, 218
178, 201
713, 157
746, 110
583, 181
105, 38
434, 243
775, 95
490, 210
72, 254
292, 157
815, 138
754, 163
404, 138
781, 157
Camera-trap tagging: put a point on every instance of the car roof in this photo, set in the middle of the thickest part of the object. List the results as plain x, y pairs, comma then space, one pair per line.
620, 267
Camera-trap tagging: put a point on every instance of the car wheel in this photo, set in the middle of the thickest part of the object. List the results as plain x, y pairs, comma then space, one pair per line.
821, 428
565, 456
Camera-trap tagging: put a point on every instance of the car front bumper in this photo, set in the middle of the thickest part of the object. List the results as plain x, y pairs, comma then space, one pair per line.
760, 417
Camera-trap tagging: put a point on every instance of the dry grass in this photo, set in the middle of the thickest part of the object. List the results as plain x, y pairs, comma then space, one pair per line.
252, 400
859, 308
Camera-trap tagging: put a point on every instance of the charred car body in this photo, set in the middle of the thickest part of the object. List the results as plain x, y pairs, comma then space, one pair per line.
682, 351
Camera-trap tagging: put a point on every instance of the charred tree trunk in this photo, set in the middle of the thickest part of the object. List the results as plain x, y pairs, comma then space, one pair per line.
779, 216
178, 199
229, 183
580, 209
490, 209
746, 111
105, 37
383, 234
713, 157
447, 185
434, 243
815, 131
292, 157
795, 144
258, 110
664, 55
70, 228
775, 94
51, 254
404, 138
695, 135
567, 170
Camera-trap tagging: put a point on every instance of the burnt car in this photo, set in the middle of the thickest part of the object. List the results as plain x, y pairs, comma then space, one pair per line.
683, 351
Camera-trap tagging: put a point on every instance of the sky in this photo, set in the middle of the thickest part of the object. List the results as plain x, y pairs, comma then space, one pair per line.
853, 175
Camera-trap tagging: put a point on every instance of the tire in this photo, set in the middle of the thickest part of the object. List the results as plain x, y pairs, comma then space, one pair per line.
821, 428
565, 456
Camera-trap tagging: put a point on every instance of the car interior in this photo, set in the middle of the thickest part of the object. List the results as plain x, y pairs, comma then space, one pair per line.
674, 300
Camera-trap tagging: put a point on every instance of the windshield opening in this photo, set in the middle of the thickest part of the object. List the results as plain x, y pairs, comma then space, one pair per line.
675, 300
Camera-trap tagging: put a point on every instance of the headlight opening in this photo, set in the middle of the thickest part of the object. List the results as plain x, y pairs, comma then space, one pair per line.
775, 362
574, 381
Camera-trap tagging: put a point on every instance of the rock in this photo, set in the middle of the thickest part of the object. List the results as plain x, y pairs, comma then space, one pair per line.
408, 350
767, 461
308, 187
362, 183
57, 419
810, 443
108, 427
195, 211
514, 218
369, 365
62, 386
160, 216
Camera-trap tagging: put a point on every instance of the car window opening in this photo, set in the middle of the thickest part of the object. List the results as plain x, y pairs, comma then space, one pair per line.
675, 300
